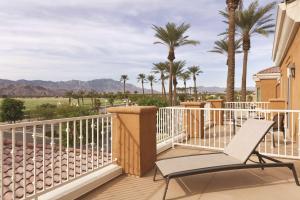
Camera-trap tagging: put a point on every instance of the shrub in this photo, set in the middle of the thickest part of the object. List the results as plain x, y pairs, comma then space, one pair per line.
111, 100
44, 111
152, 101
66, 111
12, 110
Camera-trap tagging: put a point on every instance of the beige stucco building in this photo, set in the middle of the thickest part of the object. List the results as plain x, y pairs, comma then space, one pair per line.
267, 84
286, 52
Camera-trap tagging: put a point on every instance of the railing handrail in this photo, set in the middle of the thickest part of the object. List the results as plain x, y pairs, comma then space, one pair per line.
246, 102
51, 121
235, 109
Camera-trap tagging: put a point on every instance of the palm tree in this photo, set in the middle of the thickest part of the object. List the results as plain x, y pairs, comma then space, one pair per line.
92, 94
141, 78
185, 76
124, 78
250, 21
232, 5
195, 71
81, 94
161, 68
151, 79
178, 68
221, 47
69, 95
173, 37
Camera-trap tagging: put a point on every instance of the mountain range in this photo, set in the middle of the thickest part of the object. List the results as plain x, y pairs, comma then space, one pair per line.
30, 88
51, 88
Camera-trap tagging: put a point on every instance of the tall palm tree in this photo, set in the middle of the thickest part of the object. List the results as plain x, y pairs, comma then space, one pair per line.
232, 5
195, 71
151, 79
251, 21
124, 78
178, 68
141, 78
161, 68
185, 76
173, 37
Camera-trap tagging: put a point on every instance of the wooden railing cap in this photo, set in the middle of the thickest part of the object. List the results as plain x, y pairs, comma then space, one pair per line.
132, 109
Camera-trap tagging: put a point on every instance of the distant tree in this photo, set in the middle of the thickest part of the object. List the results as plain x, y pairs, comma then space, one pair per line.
92, 95
124, 78
161, 68
81, 94
141, 78
12, 110
178, 68
97, 104
173, 36
195, 71
69, 95
151, 79
185, 76
111, 100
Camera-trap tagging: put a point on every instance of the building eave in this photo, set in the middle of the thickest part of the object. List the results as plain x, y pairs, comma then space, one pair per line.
287, 24
267, 76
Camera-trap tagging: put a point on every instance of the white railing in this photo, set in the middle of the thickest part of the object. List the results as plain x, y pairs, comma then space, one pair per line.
37, 157
186, 127
247, 105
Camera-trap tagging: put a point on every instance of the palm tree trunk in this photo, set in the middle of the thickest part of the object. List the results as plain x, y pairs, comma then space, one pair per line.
151, 84
163, 89
170, 83
185, 93
244, 77
175, 90
231, 5
195, 89
124, 86
143, 87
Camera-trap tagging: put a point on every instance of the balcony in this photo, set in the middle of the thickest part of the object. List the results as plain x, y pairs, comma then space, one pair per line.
47, 159
244, 184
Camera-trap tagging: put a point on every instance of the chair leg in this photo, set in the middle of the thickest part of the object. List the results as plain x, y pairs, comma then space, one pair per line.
155, 172
295, 174
166, 189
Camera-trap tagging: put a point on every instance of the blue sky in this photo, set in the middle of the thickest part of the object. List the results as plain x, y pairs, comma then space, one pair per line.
90, 39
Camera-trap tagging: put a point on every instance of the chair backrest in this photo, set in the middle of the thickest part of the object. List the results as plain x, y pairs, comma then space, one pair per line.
248, 138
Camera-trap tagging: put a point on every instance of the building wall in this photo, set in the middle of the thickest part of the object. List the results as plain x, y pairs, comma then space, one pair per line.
292, 57
293, 101
267, 89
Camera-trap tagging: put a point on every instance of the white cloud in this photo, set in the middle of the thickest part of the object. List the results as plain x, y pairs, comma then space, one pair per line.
87, 39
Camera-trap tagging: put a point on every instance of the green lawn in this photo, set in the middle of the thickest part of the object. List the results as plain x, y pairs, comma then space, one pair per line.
31, 103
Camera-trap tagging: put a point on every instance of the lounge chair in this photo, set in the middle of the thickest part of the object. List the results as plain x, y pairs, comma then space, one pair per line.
235, 156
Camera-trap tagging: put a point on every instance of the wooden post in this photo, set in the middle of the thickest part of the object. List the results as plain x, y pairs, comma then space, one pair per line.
194, 119
277, 104
217, 116
134, 138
